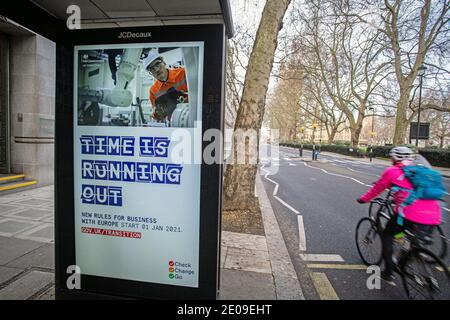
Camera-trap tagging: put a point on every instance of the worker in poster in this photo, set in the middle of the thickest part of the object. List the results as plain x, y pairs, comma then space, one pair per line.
138, 86
169, 89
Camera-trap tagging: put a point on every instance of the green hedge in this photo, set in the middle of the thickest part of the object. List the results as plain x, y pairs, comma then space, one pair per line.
341, 149
342, 143
436, 157
355, 152
381, 151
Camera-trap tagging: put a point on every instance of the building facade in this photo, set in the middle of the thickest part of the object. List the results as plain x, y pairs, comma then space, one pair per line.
27, 103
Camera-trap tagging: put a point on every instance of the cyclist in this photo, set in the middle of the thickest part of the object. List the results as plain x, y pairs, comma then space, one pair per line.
421, 214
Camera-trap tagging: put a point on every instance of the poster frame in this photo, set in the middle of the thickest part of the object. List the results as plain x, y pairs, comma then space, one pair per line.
95, 287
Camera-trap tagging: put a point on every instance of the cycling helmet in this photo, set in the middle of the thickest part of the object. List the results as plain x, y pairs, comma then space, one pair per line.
400, 153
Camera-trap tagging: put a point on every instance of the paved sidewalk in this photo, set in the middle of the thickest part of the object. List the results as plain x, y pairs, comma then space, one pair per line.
252, 267
26, 244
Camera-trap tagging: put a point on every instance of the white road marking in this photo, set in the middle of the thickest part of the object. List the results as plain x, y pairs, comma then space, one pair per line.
358, 163
301, 234
369, 174
321, 257
286, 205
263, 169
340, 161
292, 164
287, 159
358, 171
275, 191
338, 175
353, 162
446, 209
323, 286
337, 266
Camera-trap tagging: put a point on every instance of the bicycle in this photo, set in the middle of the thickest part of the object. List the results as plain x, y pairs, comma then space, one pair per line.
423, 274
369, 230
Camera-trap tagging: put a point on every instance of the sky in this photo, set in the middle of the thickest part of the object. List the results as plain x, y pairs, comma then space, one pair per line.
247, 14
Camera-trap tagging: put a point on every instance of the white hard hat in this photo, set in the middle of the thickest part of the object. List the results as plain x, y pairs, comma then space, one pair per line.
400, 153
152, 56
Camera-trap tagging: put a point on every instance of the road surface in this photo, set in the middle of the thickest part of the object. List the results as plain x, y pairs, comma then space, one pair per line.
314, 202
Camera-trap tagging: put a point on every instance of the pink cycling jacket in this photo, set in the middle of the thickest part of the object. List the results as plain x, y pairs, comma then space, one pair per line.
420, 211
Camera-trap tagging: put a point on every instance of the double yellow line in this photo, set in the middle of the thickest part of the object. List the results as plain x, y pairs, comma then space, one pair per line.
15, 185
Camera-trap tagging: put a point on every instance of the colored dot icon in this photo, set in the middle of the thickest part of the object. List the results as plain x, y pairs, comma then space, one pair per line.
171, 269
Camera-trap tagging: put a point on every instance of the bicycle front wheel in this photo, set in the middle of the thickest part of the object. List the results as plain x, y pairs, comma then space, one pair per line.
424, 276
368, 242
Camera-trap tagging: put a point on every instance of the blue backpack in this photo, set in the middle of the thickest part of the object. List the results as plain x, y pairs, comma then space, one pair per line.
427, 183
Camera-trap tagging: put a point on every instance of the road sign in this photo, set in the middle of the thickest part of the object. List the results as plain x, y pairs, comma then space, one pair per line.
424, 131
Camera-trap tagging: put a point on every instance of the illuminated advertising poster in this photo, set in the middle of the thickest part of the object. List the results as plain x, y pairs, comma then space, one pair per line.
137, 161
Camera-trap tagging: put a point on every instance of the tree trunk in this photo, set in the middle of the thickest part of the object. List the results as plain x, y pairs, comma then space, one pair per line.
292, 134
332, 135
239, 185
355, 133
401, 120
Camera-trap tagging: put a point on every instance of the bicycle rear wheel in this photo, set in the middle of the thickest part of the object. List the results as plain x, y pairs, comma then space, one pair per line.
424, 276
439, 245
368, 242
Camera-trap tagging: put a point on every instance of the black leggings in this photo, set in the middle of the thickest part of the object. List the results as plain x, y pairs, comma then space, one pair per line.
392, 228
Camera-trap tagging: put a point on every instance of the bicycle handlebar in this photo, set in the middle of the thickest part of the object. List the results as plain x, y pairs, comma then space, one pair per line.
386, 200
383, 202
379, 201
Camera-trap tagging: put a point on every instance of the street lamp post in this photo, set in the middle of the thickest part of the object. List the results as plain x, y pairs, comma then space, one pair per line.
372, 135
421, 73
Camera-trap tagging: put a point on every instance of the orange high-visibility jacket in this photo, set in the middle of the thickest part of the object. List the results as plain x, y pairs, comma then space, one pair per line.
176, 79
